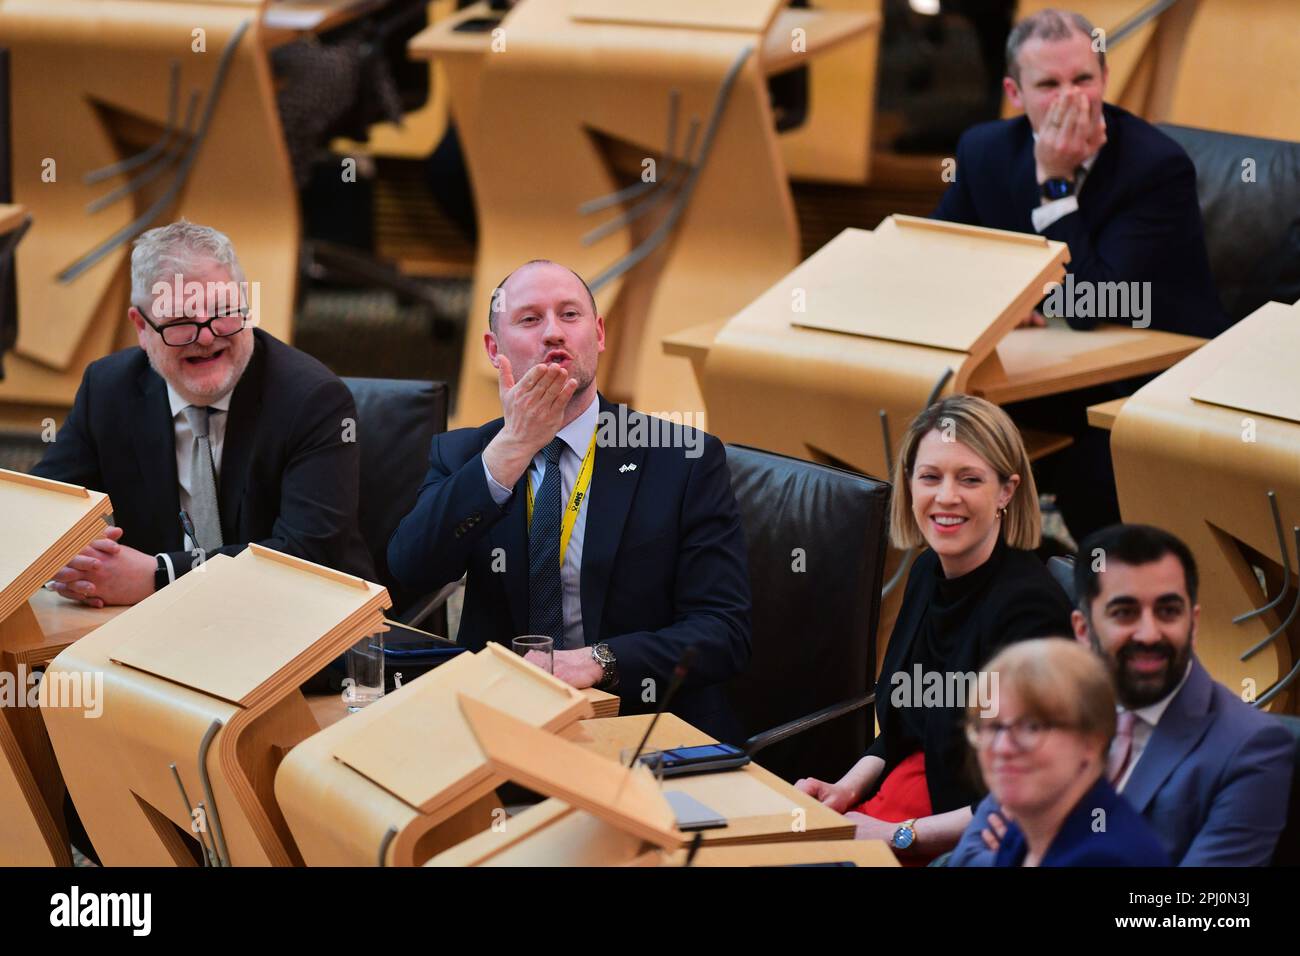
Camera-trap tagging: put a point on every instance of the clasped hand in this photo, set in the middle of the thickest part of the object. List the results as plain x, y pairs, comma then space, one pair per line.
107, 572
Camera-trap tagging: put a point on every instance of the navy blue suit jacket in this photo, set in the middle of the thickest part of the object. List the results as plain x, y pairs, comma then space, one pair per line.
663, 562
1212, 782
1138, 217
1101, 830
288, 480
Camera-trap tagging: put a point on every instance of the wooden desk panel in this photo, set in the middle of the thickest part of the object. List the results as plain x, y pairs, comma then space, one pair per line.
11, 215
1103, 416
823, 30
748, 807
1048, 361
857, 852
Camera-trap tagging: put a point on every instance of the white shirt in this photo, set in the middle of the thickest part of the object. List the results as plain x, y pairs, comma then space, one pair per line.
185, 453
1053, 209
577, 438
1145, 725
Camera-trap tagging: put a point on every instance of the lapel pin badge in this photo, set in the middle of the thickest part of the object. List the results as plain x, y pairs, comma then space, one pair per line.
627, 467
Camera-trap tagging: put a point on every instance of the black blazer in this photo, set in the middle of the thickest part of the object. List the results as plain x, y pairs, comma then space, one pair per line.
663, 563
288, 479
1138, 217
1021, 600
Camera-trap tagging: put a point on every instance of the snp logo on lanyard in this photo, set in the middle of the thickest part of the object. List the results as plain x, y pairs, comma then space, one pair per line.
580, 488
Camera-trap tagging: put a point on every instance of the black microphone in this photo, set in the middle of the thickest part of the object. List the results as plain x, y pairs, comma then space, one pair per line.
679, 674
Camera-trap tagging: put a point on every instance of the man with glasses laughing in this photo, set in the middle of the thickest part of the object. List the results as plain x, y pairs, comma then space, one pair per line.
210, 435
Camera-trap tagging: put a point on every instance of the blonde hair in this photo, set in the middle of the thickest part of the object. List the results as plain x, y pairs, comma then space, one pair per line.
989, 432
1058, 681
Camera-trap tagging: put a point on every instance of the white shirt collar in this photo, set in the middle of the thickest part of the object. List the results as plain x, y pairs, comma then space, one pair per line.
179, 404
577, 434
1151, 713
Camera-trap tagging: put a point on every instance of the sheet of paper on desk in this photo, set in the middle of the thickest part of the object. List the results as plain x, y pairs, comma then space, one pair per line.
1260, 378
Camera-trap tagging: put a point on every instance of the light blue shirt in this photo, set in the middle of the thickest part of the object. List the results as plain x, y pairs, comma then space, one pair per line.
577, 438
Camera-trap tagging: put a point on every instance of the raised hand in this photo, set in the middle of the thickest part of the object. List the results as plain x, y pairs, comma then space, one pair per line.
1068, 136
534, 409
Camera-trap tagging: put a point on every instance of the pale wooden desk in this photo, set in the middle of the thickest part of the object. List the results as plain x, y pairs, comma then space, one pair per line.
62, 622
857, 852
1103, 416
823, 30
11, 215
287, 20
1048, 361
759, 805
329, 709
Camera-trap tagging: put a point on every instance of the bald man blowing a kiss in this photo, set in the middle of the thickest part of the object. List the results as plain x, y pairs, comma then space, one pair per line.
567, 523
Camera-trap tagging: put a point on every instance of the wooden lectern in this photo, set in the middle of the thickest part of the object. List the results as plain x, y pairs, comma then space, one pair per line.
562, 107
1210, 451
601, 813
126, 115
408, 776
46, 524
886, 321
200, 703
833, 362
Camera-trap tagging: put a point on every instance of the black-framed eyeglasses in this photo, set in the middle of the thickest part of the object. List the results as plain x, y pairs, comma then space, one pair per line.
1026, 734
186, 332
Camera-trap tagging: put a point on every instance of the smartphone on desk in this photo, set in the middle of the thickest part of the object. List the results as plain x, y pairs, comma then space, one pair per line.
706, 758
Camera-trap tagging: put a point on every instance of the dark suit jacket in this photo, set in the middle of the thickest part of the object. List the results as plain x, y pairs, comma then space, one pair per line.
288, 480
1212, 781
663, 563
1021, 601
1117, 836
1138, 217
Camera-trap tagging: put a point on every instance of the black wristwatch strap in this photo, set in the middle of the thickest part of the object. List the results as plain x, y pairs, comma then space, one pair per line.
160, 577
1058, 188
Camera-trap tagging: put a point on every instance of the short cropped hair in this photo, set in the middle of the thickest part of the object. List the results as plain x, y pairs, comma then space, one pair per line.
1057, 681
1131, 544
163, 253
492, 302
989, 432
1050, 24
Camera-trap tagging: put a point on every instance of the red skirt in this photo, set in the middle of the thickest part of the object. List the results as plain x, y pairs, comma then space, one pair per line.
903, 795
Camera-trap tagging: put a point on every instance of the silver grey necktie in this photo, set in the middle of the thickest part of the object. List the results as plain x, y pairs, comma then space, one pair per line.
203, 482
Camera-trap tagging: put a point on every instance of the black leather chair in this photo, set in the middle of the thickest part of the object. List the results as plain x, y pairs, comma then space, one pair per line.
816, 539
1062, 570
396, 421
1252, 228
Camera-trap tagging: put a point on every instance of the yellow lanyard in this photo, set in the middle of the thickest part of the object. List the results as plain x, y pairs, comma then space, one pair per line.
575, 500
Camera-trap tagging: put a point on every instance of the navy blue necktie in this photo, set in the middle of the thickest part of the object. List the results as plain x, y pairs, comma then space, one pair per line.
545, 607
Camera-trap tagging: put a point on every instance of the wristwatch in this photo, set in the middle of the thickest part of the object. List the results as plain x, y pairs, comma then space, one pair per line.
1058, 187
160, 576
905, 835
603, 656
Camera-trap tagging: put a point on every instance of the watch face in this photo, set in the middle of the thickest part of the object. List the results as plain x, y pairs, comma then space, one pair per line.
603, 653
903, 837
1057, 188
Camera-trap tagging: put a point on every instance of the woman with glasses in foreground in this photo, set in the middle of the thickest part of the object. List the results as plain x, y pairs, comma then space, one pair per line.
1042, 753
